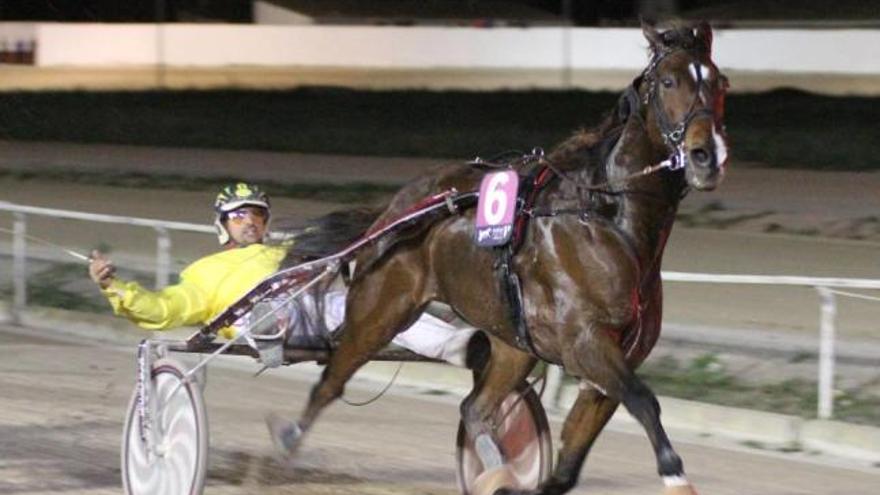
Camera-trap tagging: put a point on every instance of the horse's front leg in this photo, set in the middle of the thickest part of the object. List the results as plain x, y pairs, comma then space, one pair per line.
598, 359
378, 306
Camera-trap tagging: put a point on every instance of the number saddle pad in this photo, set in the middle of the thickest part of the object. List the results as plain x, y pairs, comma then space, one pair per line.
496, 208
500, 219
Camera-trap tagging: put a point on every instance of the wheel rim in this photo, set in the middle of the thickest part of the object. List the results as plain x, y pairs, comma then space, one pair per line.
524, 439
175, 464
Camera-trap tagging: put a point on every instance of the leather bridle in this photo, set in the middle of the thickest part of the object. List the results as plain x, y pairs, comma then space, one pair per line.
673, 133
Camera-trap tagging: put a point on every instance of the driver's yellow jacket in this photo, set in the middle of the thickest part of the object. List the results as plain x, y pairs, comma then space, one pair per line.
206, 288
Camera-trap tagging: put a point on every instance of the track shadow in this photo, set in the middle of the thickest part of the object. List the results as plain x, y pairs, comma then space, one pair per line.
233, 467
41, 458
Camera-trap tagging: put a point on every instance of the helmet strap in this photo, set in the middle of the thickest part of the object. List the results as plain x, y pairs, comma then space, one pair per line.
222, 233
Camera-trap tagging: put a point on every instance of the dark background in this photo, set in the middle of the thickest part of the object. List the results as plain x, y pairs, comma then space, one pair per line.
579, 12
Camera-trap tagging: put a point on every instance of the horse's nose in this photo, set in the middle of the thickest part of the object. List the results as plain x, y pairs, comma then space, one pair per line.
702, 157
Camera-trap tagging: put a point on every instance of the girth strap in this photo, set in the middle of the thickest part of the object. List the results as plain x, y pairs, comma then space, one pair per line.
507, 277
512, 290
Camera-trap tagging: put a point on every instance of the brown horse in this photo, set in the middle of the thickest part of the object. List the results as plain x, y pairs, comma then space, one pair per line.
588, 264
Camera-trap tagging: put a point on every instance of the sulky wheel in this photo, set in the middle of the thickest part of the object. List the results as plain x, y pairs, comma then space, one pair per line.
525, 441
173, 461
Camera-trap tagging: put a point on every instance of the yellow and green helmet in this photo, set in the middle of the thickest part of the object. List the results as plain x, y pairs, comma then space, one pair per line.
233, 197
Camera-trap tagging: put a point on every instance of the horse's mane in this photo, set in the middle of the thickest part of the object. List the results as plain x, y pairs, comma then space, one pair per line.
587, 149
569, 154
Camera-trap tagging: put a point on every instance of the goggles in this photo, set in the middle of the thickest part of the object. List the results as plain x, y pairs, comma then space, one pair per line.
240, 215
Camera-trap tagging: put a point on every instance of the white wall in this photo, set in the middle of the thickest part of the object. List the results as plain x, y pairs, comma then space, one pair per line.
106, 45
97, 44
854, 51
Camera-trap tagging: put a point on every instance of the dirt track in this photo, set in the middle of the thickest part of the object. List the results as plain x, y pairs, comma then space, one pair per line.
401, 444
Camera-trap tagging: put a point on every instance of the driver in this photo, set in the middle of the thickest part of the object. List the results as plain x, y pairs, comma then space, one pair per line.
211, 284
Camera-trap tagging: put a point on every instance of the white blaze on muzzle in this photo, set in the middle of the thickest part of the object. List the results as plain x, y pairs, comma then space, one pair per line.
720, 147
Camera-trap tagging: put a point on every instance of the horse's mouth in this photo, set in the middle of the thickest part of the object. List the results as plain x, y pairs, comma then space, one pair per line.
704, 177
705, 180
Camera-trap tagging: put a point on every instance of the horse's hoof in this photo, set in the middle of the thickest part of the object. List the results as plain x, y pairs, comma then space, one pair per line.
285, 434
488, 482
686, 489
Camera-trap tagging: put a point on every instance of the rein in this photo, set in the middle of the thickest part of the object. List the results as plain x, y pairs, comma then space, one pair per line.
379, 395
674, 162
671, 163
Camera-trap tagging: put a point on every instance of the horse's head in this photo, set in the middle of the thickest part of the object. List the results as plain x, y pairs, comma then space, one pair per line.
684, 94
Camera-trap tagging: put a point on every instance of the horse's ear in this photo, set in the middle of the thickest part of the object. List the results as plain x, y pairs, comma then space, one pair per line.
652, 35
703, 32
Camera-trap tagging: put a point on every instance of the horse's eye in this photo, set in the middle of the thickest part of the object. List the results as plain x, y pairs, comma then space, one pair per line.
667, 82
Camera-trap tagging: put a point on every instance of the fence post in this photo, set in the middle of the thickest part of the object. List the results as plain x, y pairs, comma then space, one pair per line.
19, 266
828, 312
163, 257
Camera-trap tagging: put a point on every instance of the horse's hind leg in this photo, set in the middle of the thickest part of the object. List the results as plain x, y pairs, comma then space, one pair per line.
378, 306
599, 360
505, 369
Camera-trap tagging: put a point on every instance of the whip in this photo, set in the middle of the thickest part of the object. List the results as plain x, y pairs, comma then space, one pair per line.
71, 252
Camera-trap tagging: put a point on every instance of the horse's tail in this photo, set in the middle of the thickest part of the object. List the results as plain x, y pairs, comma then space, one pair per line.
327, 234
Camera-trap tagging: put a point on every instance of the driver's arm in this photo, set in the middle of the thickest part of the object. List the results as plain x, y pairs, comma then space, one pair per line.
183, 304
174, 306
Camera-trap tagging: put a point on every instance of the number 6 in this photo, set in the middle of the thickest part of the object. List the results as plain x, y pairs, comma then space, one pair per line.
496, 199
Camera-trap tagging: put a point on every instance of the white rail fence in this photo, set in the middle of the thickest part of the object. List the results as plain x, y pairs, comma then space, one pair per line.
827, 288
19, 240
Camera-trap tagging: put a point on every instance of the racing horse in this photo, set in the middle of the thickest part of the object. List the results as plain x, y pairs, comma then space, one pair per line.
588, 264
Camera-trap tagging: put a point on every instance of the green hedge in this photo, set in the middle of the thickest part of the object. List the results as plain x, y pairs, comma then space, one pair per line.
782, 128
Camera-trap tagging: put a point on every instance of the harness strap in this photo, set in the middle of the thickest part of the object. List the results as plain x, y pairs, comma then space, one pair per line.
528, 193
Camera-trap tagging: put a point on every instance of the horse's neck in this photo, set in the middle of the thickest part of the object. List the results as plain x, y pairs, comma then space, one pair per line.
647, 205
